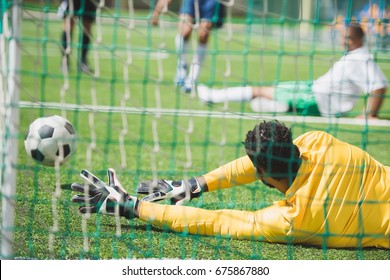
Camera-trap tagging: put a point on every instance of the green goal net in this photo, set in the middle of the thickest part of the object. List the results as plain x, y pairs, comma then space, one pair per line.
130, 115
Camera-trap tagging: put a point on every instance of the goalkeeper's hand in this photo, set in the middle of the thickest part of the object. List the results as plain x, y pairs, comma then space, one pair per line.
178, 192
97, 197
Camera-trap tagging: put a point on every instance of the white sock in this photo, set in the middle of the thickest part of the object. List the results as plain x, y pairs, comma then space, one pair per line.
264, 105
193, 74
197, 62
182, 49
237, 94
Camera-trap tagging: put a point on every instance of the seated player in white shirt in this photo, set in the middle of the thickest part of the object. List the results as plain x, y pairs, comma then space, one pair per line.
335, 93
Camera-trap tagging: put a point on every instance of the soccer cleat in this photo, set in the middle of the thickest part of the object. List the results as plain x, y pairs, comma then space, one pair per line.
83, 67
187, 87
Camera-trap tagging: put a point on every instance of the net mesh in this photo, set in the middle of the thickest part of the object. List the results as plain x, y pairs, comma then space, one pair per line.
129, 115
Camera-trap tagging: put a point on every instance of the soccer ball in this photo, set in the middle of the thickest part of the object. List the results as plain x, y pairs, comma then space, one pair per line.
50, 140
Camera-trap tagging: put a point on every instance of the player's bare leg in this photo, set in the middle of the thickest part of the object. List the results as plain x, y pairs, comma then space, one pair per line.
66, 40
87, 34
182, 42
199, 56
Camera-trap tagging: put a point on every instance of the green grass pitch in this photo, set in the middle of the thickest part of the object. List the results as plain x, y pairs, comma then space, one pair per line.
48, 226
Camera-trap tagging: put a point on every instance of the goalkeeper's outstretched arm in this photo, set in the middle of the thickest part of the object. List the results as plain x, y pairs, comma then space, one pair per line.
112, 199
263, 225
237, 172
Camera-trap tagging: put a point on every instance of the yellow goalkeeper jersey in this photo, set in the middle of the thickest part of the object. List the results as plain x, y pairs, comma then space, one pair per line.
340, 198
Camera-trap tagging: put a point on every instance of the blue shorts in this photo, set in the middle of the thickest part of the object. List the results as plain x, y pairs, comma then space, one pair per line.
206, 9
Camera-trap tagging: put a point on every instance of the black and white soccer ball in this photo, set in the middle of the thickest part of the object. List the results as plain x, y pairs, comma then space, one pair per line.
50, 140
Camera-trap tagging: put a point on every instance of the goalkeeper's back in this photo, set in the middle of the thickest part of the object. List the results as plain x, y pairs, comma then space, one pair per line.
345, 193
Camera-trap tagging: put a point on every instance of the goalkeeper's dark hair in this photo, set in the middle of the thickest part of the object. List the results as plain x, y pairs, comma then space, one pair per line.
271, 149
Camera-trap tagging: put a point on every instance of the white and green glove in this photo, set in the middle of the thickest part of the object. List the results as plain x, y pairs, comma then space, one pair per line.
111, 199
178, 192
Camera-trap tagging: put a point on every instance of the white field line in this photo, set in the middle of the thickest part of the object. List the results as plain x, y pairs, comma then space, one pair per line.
153, 55
200, 113
156, 54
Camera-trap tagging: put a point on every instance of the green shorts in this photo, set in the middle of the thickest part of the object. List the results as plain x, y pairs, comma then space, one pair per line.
299, 96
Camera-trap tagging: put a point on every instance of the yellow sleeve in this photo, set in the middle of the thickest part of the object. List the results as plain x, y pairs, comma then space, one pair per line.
237, 172
264, 225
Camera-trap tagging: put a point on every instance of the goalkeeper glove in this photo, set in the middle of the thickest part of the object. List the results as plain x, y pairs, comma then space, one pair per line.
100, 198
179, 192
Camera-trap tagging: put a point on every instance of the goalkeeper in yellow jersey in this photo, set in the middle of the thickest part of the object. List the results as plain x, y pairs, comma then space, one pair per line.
335, 193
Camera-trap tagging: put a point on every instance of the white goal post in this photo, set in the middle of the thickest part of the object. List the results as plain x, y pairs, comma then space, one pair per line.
9, 119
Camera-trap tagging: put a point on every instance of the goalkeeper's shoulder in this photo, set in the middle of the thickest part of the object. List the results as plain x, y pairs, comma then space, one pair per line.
312, 137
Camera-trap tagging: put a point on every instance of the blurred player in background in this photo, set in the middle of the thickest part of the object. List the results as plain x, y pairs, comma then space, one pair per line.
335, 93
374, 17
84, 10
336, 194
209, 13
